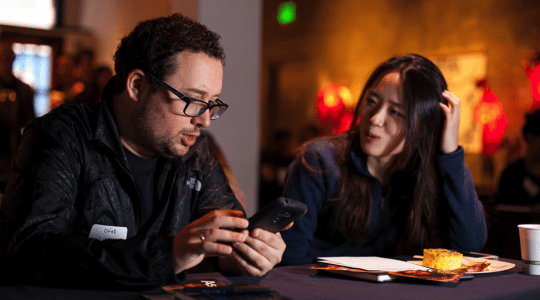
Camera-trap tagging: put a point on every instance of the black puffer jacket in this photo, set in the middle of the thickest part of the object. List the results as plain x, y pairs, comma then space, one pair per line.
72, 173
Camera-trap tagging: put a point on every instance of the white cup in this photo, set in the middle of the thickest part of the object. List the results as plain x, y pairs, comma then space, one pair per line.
529, 237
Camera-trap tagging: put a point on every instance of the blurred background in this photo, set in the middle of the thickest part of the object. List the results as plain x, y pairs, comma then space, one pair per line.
295, 69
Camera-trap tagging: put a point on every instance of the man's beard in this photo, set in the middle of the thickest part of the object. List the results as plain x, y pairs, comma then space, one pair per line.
161, 145
146, 138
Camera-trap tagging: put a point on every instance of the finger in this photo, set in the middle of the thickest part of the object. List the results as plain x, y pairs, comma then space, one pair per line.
453, 99
229, 212
255, 265
250, 252
263, 250
288, 226
222, 236
215, 249
243, 264
259, 253
454, 102
260, 236
221, 219
446, 109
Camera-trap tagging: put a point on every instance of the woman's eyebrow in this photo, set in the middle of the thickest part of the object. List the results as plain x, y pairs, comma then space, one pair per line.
373, 94
376, 95
395, 103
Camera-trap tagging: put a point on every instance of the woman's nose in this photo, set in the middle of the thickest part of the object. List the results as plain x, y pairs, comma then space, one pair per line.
378, 118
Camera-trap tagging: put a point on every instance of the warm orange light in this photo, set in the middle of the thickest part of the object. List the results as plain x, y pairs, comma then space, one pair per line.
346, 96
330, 100
78, 87
487, 113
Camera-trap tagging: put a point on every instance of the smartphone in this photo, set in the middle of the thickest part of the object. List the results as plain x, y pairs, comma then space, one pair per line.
277, 214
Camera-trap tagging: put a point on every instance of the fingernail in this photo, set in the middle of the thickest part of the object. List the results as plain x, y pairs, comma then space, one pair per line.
235, 244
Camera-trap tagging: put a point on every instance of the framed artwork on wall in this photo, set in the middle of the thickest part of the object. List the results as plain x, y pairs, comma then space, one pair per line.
462, 71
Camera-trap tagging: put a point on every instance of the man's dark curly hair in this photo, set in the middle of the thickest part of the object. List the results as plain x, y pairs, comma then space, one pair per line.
152, 46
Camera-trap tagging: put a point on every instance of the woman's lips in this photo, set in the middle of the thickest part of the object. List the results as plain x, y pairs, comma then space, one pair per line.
371, 138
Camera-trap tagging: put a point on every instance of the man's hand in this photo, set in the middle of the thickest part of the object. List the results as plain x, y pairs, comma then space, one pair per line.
204, 237
261, 251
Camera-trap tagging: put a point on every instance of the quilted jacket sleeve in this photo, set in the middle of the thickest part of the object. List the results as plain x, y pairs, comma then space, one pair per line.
39, 227
466, 224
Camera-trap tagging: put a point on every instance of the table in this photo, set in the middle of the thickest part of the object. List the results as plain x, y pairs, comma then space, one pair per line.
301, 282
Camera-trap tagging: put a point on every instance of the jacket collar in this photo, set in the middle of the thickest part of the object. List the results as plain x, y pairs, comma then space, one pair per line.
359, 159
106, 130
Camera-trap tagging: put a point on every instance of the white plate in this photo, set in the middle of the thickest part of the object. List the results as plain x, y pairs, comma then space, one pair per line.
495, 265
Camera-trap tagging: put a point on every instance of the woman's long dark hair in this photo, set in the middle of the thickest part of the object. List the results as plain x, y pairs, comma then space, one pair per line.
422, 86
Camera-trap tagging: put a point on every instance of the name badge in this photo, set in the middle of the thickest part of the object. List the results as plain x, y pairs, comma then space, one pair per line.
105, 232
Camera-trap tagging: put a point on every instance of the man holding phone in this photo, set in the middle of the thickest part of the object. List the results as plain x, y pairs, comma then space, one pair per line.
128, 193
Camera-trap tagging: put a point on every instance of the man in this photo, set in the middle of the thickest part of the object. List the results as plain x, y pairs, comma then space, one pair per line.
130, 194
519, 185
520, 181
16, 110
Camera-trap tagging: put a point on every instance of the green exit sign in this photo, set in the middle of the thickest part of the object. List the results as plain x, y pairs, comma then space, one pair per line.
286, 13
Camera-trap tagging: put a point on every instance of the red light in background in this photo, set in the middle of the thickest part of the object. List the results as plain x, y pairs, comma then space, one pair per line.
489, 114
534, 78
334, 108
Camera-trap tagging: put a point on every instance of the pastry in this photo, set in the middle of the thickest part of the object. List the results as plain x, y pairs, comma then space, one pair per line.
442, 259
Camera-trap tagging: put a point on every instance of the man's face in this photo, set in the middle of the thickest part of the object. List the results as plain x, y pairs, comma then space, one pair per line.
161, 126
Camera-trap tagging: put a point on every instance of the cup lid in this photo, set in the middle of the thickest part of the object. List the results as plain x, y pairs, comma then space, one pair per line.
529, 226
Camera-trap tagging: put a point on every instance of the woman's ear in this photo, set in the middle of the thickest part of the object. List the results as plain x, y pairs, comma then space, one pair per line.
134, 84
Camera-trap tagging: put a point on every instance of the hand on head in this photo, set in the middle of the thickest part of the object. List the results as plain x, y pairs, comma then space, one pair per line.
449, 139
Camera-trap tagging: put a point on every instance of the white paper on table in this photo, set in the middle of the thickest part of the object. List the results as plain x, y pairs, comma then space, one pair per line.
371, 263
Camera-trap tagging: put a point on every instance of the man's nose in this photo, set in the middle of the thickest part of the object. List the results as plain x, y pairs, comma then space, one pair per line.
202, 120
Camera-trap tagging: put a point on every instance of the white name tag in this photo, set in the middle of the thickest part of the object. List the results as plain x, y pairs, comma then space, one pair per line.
105, 232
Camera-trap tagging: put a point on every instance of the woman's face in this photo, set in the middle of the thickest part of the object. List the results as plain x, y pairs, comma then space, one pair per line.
382, 118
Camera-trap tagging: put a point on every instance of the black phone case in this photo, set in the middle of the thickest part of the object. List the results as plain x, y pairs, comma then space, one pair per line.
277, 214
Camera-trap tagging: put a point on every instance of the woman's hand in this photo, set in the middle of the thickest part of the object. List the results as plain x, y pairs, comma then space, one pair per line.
449, 139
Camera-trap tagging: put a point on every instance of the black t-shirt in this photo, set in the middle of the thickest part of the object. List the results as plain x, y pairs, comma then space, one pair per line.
518, 187
143, 172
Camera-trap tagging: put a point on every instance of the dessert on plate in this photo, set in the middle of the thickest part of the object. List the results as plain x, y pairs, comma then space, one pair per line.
442, 259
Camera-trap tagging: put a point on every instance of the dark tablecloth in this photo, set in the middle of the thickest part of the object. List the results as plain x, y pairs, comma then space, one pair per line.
301, 282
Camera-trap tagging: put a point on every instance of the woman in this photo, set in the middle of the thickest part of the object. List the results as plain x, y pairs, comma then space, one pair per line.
396, 182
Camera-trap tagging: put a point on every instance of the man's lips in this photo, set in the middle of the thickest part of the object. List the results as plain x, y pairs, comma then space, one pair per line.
189, 139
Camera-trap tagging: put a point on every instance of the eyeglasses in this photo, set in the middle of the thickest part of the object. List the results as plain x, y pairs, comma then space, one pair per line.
193, 107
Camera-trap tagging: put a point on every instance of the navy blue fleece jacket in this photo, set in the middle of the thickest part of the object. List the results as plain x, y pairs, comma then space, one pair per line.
463, 226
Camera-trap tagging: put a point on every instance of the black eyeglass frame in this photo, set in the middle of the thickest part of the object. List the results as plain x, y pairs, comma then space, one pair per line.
189, 100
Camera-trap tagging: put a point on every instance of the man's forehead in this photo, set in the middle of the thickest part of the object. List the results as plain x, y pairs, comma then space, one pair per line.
197, 72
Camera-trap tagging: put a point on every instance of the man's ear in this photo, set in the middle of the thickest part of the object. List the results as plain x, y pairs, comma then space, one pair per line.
134, 84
